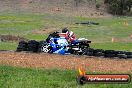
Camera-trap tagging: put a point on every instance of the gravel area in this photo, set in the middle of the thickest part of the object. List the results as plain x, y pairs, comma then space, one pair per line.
51, 61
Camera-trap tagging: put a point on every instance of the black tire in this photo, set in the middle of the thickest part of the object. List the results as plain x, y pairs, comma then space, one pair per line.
98, 50
128, 53
109, 52
33, 46
89, 51
85, 51
50, 50
45, 47
76, 52
71, 51
22, 46
120, 52
122, 56
109, 55
41, 43
99, 54
129, 56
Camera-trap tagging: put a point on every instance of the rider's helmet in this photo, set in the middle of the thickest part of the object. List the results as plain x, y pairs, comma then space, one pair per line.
64, 30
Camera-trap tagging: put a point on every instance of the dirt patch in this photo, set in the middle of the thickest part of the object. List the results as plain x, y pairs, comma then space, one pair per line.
65, 7
5, 38
42, 60
45, 31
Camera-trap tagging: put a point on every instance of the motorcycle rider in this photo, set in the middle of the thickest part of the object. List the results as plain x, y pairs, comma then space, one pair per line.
69, 35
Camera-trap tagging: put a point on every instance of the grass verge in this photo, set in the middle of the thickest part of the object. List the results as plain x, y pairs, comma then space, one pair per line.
8, 45
23, 25
16, 77
113, 46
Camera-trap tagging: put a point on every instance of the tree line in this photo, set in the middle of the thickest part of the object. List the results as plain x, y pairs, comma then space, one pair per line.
115, 7
119, 7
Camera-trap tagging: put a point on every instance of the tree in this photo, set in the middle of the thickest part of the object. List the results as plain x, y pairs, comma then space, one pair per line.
118, 7
128, 4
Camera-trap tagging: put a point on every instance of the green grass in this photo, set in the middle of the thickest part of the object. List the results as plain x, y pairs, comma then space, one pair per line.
19, 24
15, 77
37, 36
8, 46
114, 46
108, 28
23, 24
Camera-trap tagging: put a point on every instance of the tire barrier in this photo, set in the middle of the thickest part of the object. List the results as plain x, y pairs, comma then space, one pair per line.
108, 53
42, 46
22, 46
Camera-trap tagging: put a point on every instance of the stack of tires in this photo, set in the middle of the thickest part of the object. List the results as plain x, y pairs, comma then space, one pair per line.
43, 46
98, 52
107, 53
121, 54
94, 52
33, 46
22, 46
28, 46
129, 54
89, 51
